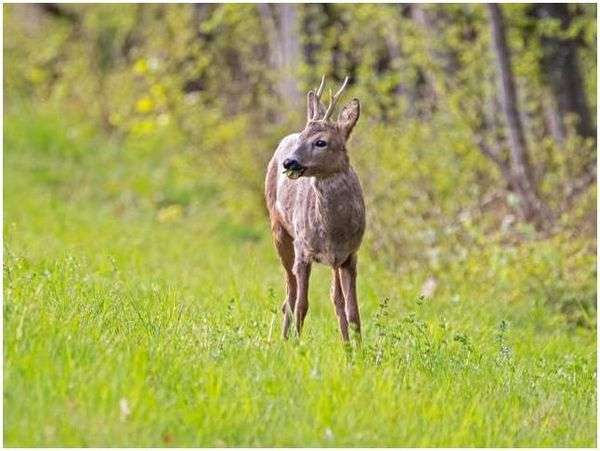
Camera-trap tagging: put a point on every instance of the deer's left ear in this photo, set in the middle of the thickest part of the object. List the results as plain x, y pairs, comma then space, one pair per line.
348, 117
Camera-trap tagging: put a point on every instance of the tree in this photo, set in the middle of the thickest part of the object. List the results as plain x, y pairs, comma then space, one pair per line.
533, 208
560, 69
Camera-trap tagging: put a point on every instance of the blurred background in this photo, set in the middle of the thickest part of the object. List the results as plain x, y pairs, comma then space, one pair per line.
476, 145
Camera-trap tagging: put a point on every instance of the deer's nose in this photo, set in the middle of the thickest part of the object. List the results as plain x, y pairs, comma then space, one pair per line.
288, 163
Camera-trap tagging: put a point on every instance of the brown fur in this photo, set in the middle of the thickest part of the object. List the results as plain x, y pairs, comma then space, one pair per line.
319, 217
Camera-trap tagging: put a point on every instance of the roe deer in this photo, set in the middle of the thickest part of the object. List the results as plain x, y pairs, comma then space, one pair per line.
317, 210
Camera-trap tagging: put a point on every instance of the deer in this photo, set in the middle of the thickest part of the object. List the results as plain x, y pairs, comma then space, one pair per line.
317, 211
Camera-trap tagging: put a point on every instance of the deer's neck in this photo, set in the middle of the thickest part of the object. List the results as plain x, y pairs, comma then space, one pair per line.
324, 186
334, 192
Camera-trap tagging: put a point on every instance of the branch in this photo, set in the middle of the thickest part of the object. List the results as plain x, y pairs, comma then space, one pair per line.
494, 154
577, 188
58, 11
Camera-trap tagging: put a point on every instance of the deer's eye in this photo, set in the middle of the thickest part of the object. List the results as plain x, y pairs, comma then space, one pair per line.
320, 143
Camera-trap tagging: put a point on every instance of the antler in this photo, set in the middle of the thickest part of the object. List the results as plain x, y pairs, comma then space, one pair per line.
321, 86
316, 99
334, 100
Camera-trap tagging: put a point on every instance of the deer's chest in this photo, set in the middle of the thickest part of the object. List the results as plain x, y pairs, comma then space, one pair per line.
328, 230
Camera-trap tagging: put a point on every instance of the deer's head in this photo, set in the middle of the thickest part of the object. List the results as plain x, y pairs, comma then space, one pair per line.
321, 147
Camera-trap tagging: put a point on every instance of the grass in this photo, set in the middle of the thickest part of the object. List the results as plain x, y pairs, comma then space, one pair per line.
130, 322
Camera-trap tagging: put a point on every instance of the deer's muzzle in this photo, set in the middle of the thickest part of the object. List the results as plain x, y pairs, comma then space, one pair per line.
292, 168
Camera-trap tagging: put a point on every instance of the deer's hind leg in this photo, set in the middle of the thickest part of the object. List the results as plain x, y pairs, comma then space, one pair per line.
285, 248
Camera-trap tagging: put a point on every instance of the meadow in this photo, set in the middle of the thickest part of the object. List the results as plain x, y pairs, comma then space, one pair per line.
141, 289
130, 321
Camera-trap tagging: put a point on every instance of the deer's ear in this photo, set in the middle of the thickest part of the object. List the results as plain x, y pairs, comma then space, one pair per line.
311, 105
349, 116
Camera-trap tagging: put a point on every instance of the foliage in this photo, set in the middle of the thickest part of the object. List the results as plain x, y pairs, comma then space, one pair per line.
141, 289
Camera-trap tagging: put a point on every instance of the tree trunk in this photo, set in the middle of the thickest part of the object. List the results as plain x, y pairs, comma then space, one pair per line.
398, 62
426, 80
291, 50
560, 66
532, 206
280, 23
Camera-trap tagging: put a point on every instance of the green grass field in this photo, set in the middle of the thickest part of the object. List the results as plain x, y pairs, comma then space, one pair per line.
132, 321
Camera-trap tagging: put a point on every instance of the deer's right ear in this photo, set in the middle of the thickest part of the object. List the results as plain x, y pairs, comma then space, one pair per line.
312, 106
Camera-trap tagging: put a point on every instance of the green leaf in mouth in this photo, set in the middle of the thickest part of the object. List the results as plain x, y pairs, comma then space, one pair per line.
293, 174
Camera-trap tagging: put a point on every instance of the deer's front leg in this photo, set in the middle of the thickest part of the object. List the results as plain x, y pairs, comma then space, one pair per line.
285, 248
337, 297
302, 273
347, 274
289, 303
